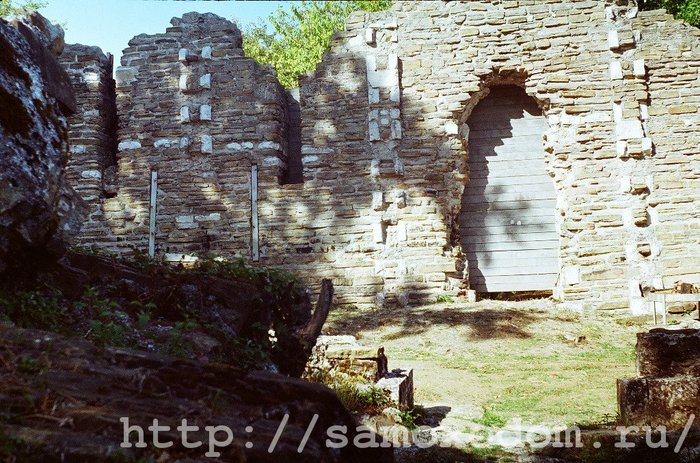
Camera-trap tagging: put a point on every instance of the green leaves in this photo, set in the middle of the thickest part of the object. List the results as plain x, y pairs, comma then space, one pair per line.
687, 10
12, 7
300, 36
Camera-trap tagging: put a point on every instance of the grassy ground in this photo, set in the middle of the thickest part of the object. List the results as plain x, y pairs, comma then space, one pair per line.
496, 361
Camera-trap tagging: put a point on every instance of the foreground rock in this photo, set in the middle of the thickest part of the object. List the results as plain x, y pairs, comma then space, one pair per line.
62, 400
668, 390
38, 211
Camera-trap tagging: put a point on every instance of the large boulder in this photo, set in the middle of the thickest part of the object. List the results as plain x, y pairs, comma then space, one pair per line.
38, 211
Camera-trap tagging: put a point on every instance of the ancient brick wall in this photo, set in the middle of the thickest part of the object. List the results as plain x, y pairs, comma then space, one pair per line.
92, 134
195, 115
384, 146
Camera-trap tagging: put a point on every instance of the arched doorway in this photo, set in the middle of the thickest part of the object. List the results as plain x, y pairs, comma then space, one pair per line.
507, 221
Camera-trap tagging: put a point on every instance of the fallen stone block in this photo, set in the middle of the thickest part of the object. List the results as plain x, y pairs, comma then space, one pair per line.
663, 353
400, 383
658, 401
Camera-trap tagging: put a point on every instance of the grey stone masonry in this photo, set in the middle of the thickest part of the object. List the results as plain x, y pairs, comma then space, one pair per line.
384, 154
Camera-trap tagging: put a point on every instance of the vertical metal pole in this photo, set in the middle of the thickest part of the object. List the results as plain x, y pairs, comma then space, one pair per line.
254, 225
152, 214
663, 307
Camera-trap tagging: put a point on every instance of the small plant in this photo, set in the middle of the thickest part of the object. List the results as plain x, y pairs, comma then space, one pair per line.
144, 312
409, 418
444, 299
33, 309
28, 365
492, 419
176, 344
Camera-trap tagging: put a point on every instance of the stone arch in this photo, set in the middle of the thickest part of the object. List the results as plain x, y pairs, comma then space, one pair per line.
550, 226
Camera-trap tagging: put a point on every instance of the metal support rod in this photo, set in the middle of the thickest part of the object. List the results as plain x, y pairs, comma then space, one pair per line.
152, 214
254, 225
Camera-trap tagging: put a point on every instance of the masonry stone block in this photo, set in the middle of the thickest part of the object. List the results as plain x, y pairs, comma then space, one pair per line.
205, 113
207, 144
205, 81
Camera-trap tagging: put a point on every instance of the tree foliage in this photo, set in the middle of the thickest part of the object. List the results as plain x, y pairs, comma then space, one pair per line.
687, 10
12, 7
301, 35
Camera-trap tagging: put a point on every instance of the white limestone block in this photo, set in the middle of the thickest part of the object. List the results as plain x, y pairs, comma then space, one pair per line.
183, 82
378, 231
214, 216
370, 36
272, 161
374, 168
184, 219
629, 129
377, 200
374, 134
127, 145
184, 114
184, 142
78, 149
182, 55
572, 274
91, 78
371, 63
647, 146
269, 145
625, 182
613, 40
639, 68
207, 144
398, 167
125, 75
96, 174
451, 128
393, 62
310, 159
643, 111
205, 112
617, 111
396, 130
401, 231
205, 81
373, 95
615, 70
395, 94
165, 143
206, 52
621, 148
383, 79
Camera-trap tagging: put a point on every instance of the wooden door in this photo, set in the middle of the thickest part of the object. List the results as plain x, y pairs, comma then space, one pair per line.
507, 221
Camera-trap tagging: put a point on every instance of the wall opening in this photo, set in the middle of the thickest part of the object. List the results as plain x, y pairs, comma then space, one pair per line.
507, 221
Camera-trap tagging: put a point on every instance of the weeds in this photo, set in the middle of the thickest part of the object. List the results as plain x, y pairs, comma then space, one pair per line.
33, 310
444, 299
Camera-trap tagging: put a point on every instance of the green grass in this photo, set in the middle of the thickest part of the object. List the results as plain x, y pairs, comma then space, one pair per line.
559, 368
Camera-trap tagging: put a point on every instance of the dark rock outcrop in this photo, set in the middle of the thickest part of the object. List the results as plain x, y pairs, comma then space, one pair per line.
64, 400
38, 212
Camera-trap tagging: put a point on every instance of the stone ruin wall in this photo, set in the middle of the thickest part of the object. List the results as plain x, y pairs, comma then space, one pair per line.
384, 155
92, 134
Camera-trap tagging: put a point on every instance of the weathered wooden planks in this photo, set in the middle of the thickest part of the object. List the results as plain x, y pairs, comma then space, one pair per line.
507, 224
